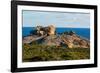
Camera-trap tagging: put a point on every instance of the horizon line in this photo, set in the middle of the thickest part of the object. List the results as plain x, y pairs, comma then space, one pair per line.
60, 27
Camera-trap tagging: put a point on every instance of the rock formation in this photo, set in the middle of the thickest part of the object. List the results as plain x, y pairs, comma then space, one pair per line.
74, 41
48, 36
40, 30
50, 30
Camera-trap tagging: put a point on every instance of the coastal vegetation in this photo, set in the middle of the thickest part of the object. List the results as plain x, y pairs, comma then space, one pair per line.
38, 52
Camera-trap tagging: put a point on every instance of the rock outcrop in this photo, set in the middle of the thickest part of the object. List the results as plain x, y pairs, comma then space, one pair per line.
74, 41
47, 36
50, 30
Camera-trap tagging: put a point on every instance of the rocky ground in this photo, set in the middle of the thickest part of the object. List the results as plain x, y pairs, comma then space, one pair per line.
70, 41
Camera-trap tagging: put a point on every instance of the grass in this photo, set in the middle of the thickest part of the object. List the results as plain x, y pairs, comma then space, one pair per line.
39, 52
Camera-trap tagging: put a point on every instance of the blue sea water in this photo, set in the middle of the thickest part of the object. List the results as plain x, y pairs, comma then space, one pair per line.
84, 32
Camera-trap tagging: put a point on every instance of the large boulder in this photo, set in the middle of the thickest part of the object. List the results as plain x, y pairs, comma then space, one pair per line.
51, 30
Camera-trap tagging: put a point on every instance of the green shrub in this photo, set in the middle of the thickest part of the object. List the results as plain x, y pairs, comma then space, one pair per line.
39, 52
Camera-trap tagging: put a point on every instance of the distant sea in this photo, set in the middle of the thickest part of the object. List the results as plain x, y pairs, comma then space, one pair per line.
84, 32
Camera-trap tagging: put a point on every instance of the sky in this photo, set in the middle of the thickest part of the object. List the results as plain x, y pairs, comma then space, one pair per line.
58, 19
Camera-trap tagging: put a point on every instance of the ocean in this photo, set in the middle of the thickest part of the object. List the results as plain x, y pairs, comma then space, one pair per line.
84, 32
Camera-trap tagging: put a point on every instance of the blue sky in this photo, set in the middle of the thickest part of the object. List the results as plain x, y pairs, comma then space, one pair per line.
58, 19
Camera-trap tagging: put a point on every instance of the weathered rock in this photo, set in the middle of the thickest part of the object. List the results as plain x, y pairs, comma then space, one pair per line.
49, 37
74, 41
53, 40
51, 30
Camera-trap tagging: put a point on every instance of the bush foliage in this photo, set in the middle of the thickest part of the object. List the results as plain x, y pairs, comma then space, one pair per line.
40, 52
